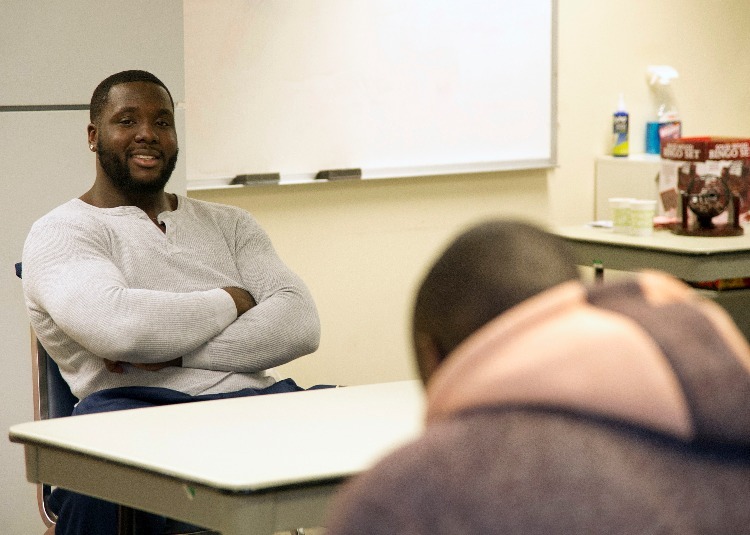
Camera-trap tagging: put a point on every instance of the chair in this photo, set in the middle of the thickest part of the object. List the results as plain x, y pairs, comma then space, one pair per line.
53, 399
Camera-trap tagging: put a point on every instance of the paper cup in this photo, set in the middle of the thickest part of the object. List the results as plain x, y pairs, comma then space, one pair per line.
620, 207
642, 214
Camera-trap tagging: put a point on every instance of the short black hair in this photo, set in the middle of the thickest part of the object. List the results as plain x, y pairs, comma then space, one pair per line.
101, 93
485, 271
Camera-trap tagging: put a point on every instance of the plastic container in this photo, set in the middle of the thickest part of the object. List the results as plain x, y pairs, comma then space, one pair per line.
620, 126
642, 214
620, 207
666, 123
653, 144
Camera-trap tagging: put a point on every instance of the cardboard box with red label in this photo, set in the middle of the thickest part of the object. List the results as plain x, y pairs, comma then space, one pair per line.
692, 164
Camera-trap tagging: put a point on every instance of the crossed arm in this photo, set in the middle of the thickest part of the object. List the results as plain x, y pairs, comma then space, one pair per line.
243, 301
264, 317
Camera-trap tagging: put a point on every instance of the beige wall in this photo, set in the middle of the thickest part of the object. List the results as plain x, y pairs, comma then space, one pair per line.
362, 247
605, 48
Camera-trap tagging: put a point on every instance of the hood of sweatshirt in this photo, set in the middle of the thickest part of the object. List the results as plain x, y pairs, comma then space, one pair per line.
648, 352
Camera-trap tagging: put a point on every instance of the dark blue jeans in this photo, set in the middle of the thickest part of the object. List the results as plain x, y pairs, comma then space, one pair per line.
82, 515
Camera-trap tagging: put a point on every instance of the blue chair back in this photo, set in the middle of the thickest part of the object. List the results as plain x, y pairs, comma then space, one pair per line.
55, 397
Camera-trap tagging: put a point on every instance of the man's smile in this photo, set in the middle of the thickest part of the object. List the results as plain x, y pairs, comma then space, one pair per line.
145, 159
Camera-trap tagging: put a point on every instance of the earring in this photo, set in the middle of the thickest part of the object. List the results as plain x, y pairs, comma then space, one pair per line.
91, 146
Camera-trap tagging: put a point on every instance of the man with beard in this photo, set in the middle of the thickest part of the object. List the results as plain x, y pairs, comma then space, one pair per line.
144, 297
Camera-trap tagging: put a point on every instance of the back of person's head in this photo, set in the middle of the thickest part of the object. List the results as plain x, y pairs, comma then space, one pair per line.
101, 93
485, 271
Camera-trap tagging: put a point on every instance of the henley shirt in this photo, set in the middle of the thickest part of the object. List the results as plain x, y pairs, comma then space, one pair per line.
108, 283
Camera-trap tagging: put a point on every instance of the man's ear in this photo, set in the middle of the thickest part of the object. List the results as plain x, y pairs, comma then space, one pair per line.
92, 132
428, 355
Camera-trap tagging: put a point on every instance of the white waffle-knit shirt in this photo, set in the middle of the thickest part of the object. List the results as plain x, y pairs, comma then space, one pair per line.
107, 283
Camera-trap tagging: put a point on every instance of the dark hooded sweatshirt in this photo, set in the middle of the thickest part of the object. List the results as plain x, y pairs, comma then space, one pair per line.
621, 408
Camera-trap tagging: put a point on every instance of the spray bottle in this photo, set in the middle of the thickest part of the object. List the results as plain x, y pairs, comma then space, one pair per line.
620, 129
666, 123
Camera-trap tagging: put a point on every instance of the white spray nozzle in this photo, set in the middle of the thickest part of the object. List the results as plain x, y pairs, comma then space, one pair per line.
621, 103
661, 74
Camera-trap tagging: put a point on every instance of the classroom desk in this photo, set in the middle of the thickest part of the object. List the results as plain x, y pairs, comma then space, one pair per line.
252, 465
690, 258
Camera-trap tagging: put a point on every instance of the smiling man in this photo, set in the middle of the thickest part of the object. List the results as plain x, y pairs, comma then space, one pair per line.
145, 297
116, 111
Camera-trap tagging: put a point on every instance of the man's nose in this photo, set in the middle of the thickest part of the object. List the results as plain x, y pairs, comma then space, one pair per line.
146, 134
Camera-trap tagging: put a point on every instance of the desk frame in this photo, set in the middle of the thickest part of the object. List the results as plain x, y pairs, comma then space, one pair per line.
128, 457
689, 258
258, 513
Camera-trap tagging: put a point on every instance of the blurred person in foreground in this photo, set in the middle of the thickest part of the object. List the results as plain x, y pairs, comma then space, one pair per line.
557, 407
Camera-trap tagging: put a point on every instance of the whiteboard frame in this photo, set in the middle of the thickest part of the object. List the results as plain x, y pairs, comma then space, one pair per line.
212, 182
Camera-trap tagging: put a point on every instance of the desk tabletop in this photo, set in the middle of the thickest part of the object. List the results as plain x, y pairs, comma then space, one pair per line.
662, 240
247, 444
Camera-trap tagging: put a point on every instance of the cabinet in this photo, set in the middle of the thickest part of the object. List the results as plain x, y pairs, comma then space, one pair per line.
634, 176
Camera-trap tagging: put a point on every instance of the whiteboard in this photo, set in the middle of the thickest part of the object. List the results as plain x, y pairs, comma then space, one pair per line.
396, 88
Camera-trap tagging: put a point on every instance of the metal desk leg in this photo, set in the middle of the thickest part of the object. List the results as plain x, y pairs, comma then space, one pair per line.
598, 271
130, 522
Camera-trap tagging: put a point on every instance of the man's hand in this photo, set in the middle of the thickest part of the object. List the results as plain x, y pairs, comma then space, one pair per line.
118, 366
114, 366
242, 299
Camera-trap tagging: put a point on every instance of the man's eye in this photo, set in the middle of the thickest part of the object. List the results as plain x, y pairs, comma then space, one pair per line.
163, 123
126, 121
